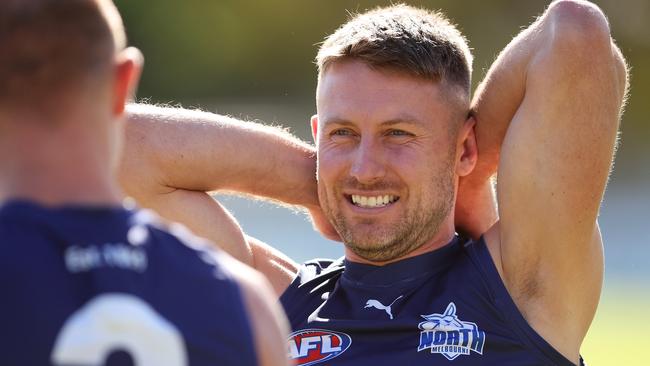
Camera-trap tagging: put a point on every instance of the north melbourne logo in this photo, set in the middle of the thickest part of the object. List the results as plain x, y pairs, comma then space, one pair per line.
449, 336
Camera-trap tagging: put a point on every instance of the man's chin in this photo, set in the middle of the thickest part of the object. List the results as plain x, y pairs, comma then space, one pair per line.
371, 247
375, 253
368, 236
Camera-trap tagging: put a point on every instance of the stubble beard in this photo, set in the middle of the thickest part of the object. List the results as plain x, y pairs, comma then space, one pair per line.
419, 225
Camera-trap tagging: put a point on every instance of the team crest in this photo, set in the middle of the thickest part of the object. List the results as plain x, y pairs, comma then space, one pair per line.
312, 346
449, 336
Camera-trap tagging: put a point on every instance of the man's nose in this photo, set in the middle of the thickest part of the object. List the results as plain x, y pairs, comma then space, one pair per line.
368, 165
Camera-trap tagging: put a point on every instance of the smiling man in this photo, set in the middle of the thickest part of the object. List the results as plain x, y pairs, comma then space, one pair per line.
390, 151
399, 173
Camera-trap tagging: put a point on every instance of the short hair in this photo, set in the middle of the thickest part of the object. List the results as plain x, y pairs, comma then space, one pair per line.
418, 42
47, 46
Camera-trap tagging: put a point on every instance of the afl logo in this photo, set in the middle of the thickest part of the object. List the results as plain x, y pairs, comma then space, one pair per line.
312, 346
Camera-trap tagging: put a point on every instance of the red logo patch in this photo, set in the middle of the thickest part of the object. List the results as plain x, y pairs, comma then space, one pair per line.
312, 346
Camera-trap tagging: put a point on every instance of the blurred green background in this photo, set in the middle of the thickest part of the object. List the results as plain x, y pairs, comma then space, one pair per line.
254, 60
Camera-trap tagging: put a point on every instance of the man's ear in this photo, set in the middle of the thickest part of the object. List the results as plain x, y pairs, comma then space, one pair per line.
128, 67
314, 128
467, 147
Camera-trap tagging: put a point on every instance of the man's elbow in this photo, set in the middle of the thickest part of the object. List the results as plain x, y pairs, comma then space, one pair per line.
622, 76
578, 27
580, 37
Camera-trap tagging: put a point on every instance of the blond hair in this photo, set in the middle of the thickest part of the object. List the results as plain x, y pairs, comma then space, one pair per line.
418, 42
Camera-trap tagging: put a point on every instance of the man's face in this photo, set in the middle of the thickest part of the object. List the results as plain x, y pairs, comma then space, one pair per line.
386, 159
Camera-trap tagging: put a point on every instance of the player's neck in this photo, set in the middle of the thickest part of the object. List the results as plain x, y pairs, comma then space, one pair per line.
56, 166
56, 188
444, 235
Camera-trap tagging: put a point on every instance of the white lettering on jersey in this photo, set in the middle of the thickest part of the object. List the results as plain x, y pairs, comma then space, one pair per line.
115, 255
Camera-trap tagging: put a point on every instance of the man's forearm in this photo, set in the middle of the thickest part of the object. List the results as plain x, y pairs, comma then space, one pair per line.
499, 95
199, 151
493, 107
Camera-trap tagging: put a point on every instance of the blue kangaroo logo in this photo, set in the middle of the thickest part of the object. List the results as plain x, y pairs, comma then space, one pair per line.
448, 320
449, 336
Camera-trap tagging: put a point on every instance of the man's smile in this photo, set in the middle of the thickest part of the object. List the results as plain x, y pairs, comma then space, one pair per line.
372, 201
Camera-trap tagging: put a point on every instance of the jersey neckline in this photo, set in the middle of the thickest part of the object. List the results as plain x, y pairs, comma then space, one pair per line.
405, 270
24, 206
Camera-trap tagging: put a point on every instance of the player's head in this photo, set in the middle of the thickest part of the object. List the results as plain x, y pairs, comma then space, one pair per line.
61, 61
393, 102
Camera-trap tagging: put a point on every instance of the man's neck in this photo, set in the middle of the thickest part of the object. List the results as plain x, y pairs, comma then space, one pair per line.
56, 167
440, 239
53, 187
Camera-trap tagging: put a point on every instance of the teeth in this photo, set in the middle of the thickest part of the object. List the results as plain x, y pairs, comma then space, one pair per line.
373, 201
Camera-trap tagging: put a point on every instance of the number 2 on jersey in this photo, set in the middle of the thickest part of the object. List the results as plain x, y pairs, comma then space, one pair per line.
118, 322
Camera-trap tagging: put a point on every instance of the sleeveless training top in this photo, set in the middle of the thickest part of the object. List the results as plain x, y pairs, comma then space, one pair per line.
448, 306
109, 286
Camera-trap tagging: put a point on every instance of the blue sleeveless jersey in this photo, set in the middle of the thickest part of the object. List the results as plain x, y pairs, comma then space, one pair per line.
448, 306
110, 286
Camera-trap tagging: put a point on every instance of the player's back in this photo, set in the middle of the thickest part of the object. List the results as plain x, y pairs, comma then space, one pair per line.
109, 286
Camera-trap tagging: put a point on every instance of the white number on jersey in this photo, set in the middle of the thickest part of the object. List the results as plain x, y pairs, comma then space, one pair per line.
112, 322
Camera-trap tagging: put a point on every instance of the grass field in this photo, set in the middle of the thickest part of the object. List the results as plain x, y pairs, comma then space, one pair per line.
620, 332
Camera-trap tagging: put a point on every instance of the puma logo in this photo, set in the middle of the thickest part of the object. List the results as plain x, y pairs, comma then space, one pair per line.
379, 306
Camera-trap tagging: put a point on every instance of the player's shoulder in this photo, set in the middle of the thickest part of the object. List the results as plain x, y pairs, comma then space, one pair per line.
267, 320
264, 315
167, 230
174, 244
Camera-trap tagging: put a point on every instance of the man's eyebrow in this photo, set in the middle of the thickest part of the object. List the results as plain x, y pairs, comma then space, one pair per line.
337, 121
409, 120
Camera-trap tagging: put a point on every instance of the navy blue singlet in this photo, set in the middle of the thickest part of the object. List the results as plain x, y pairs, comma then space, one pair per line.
448, 306
110, 286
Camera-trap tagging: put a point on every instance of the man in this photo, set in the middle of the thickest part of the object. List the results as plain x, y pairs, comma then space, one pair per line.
399, 172
86, 281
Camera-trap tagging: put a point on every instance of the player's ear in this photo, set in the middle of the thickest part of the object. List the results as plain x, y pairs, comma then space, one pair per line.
467, 148
128, 67
314, 128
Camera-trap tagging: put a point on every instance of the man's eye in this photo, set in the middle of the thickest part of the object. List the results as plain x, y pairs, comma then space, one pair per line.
399, 133
341, 132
